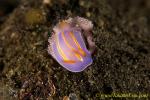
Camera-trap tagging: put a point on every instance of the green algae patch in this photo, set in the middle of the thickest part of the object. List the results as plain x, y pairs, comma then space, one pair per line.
34, 16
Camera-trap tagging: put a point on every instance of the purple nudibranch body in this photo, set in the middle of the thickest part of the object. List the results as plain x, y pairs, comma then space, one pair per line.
67, 44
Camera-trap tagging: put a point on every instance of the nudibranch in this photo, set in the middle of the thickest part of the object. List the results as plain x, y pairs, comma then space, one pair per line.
67, 44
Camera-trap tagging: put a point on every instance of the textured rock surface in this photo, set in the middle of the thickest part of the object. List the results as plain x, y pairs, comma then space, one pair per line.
121, 62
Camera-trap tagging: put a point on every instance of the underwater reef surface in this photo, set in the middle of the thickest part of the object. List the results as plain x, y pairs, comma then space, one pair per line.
121, 62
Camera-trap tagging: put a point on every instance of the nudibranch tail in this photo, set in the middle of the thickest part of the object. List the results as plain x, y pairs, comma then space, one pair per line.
67, 45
